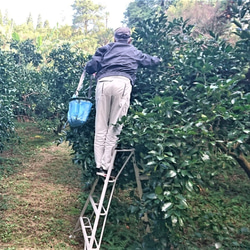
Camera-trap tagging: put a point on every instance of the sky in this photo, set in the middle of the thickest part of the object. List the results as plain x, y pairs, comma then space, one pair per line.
58, 11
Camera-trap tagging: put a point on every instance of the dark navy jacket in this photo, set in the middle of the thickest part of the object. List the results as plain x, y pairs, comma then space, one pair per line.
119, 59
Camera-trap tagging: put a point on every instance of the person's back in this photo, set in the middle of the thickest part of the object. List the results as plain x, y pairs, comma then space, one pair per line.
119, 58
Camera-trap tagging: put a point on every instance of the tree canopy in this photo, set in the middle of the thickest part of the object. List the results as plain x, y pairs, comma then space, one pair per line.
88, 16
140, 10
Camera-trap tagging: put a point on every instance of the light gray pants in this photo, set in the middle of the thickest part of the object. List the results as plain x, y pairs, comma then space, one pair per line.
112, 102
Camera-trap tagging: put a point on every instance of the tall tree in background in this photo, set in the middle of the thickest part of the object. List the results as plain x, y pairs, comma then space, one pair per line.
141, 9
106, 19
39, 24
30, 20
30, 24
46, 24
168, 3
88, 16
6, 19
206, 15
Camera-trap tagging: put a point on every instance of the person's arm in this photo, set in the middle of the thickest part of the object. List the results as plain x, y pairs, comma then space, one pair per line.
146, 60
93, 65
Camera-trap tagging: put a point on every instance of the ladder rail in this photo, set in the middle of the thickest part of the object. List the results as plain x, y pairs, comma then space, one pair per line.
106, 182
108, 206
85, 235
89, 230
125, 163
86, 205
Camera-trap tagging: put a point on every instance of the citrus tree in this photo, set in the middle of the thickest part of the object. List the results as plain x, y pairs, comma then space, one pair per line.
189, 115
60, 75
189, 118
7, 95
28, 81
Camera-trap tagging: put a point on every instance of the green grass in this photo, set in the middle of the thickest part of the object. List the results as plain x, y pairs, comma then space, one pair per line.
29, 140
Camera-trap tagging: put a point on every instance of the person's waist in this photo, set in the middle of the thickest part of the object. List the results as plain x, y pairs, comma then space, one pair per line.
109, 78
116, 75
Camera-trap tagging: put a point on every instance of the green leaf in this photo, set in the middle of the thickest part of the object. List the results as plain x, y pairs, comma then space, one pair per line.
174, 219
160, 158
169, 153
189, 186
212, 34
238, 24
168, 214
153, 152
166, 206
169, 114
181, 223
158, 190
171, 174
171, 159
181, 197
218, 245
152, 196
133, 209
151, 163
182, 205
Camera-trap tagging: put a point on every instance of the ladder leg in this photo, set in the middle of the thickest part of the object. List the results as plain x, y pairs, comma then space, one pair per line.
77, 226
128, 158
91, 241
106, 182
108, 206
137, 177
139, 187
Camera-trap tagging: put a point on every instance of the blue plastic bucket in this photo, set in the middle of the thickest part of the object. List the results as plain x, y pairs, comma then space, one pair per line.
79, 110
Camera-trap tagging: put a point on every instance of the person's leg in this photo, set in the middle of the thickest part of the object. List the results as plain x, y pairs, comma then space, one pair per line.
101, 121
120, 101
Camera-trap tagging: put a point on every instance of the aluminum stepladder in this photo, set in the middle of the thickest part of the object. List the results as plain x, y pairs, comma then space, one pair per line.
89, 225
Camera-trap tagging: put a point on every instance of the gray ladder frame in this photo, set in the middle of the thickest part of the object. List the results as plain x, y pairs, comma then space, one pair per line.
84, 223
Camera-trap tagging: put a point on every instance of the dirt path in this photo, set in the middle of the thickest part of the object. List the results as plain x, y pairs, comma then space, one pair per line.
42, 202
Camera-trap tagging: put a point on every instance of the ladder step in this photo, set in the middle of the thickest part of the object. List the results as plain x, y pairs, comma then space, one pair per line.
87, 220
93, 203
85, 224
87, 227
95, 207
112, 180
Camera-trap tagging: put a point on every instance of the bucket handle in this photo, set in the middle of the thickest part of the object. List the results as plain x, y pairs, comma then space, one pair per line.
80, 84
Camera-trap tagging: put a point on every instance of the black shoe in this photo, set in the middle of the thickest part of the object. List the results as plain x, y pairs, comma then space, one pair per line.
113, 174
100, 171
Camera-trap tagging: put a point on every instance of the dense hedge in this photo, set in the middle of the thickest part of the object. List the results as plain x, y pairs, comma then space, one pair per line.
7, 96
187, 115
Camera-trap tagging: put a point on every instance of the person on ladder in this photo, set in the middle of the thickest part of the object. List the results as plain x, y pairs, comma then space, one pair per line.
115, 65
